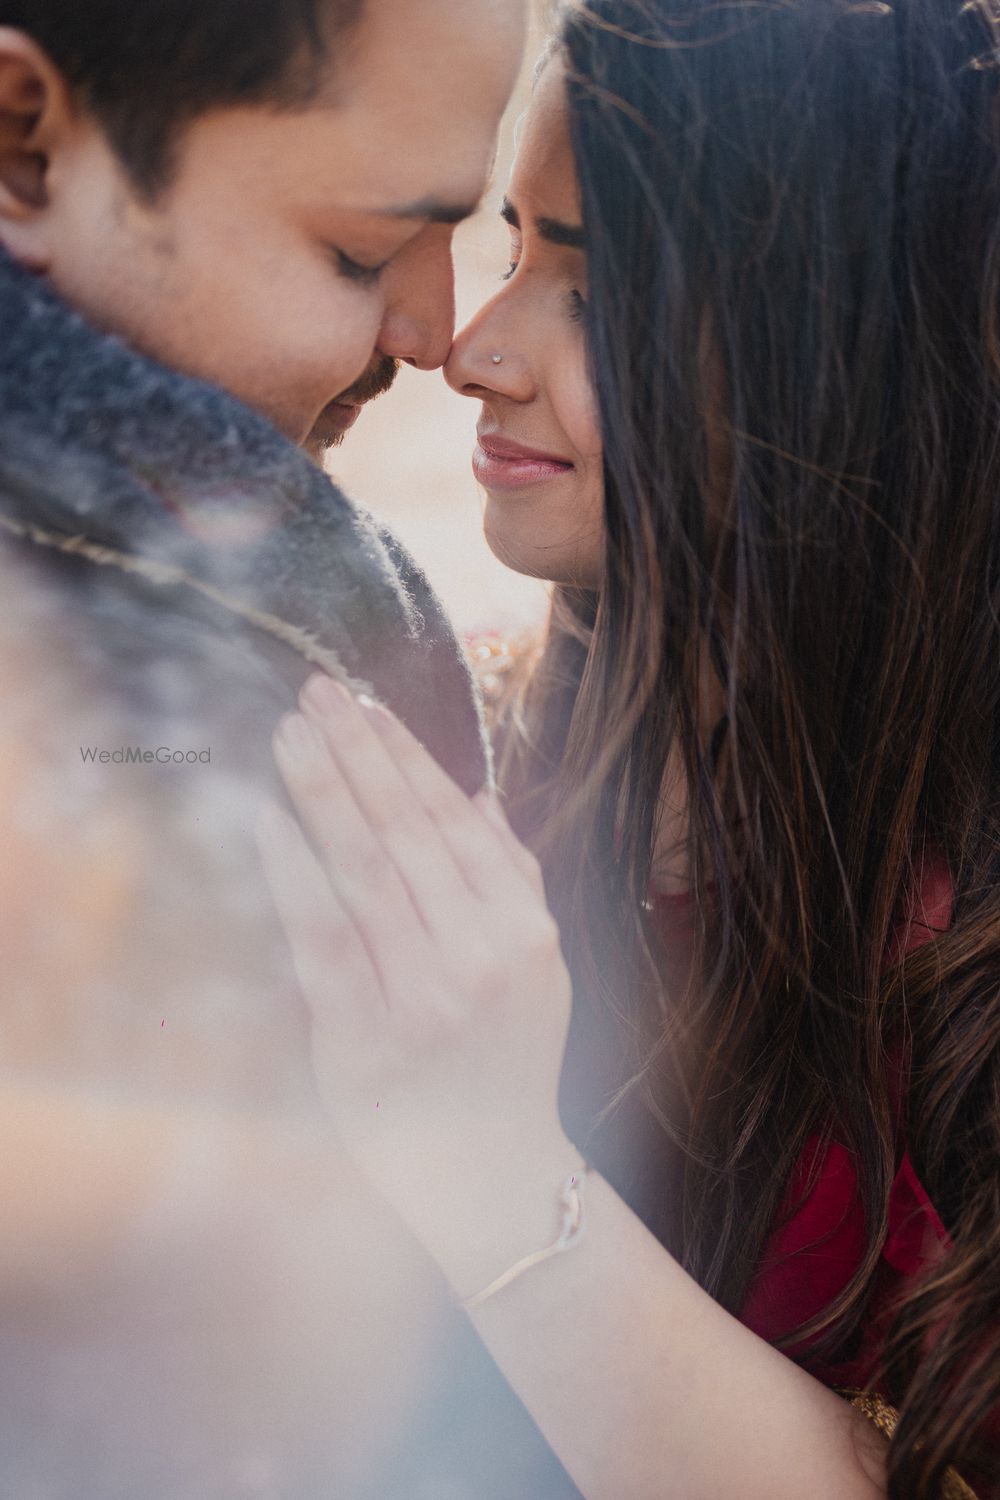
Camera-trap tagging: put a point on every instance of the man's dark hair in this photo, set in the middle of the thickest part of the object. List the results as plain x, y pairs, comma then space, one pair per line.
146, 68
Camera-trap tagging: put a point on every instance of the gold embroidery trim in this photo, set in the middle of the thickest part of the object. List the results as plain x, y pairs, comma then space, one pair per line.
501, 666
885, 1418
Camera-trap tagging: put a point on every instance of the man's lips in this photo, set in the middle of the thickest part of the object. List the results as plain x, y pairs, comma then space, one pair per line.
501, 464
338, 416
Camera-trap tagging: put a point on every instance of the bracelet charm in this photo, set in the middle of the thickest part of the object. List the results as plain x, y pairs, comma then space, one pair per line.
571, 1204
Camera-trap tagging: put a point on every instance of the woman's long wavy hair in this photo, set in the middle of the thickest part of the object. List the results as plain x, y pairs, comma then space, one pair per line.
792, 212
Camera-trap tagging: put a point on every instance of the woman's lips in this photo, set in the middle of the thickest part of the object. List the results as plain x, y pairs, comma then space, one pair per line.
501, 464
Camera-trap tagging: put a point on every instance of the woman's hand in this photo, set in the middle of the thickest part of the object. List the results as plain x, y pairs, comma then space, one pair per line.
432, 968
440, 1007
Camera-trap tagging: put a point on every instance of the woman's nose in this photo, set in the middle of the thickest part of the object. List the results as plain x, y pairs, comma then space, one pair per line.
487, 359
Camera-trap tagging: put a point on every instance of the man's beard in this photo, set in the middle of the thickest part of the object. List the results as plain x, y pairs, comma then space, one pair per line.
377, 379
374, 382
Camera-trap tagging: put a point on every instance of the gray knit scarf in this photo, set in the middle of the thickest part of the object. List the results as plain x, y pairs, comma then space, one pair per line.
107, 455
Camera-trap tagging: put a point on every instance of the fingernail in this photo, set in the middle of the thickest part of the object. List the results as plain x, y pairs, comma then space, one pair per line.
323, 693
377, 712
295, 734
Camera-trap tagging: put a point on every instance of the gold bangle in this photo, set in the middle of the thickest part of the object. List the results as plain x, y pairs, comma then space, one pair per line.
885, 1418
571, 1203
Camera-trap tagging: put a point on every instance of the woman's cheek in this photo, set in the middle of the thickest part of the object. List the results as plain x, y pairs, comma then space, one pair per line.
575, 403
577, 413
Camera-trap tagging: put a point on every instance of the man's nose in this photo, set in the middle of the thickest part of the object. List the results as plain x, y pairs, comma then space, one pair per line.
419, 320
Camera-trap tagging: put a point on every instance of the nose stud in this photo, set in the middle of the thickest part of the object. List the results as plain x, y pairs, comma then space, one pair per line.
497, 358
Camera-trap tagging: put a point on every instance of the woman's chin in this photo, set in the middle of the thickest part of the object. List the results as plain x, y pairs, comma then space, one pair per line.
537, 559
515, 558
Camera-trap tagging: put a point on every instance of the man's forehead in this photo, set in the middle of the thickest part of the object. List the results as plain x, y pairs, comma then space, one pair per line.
421, 89
373, 186
451, 207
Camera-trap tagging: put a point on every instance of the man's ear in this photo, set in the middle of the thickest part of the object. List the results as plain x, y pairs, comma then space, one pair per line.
35, 113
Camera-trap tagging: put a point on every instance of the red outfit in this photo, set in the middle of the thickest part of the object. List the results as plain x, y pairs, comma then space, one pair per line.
812, 1256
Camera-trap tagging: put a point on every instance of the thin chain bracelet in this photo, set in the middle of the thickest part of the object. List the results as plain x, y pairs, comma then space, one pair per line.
571, 1203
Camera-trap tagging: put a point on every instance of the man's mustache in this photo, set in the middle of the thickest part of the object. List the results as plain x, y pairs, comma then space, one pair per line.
374, 382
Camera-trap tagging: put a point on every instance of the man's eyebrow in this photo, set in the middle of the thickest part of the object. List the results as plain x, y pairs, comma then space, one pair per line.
433, 210
553, 230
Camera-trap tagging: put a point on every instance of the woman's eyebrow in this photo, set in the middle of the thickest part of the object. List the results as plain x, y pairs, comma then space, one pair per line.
558, 233
553, 230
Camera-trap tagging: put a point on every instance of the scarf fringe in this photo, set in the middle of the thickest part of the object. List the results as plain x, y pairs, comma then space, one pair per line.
168, 575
